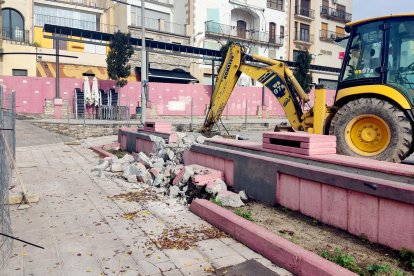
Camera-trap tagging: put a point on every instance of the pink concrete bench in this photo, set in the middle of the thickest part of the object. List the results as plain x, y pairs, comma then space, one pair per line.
158, 126
299, 143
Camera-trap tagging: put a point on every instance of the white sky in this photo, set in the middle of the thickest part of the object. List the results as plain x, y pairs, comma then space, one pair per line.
371, 8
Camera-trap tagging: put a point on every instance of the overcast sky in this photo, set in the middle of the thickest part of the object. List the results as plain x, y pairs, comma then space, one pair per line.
371, 8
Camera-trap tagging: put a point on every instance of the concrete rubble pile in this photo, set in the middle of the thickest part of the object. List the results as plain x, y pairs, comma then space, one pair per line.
164, 172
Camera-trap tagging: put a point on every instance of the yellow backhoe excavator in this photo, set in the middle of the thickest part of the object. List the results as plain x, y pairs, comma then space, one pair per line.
373, 113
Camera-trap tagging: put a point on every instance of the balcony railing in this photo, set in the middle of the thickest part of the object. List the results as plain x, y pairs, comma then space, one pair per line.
40, 20
160, 25
335, 14
304, 37
329, 36
304, 12
97, 4
15, 35
217, 29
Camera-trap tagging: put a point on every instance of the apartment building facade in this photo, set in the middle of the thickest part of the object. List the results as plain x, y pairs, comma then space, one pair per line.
259, 25
314, 26
22, 31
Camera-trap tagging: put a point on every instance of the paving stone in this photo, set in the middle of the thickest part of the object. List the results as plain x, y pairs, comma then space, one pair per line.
227, 261
185, 258
214, 249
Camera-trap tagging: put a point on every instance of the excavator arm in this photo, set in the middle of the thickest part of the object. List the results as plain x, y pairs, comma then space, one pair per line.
276, 76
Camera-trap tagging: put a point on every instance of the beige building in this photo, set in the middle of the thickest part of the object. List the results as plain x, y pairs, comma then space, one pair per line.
22, 31
314, 25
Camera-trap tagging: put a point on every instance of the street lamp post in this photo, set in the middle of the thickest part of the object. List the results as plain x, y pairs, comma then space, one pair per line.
144, 77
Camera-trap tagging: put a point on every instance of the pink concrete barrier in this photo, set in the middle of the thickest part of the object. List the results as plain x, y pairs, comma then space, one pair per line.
278, 250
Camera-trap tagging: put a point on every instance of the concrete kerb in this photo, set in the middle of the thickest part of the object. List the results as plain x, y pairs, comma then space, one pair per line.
278, 250
103, 153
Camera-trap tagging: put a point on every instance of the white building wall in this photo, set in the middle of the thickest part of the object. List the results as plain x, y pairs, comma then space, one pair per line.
327, 53
260, 17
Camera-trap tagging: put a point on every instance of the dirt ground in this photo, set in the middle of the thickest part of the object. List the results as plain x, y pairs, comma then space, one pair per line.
316, 237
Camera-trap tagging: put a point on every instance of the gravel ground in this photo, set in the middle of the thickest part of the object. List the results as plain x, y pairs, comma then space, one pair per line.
316, 237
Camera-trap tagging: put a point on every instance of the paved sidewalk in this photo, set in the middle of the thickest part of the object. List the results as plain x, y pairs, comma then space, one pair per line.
85, 232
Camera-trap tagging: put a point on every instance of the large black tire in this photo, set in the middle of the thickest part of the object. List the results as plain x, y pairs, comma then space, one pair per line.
399, 125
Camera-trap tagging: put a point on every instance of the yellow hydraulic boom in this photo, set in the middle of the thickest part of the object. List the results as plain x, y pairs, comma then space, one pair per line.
276, 76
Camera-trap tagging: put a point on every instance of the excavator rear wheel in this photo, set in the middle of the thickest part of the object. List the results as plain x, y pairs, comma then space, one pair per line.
372, 128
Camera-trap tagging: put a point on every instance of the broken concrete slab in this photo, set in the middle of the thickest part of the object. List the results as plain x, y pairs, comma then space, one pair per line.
229, 199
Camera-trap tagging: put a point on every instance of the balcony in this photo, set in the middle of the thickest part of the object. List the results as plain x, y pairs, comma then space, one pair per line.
304, 37
304, 13
160, 25
334, 14
329, 36
18, 36
221, 30
40, 20
96, 4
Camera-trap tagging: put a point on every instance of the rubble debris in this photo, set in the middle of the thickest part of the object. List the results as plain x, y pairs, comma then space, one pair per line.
243, 195
200, 139
162, 172
229, 199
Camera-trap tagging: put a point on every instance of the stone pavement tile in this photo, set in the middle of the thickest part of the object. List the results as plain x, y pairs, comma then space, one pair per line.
185, 258
245, 251
116, 262
43, 267
214, 249
81, 265
228, 241
148, 268
166, 266
203, 268
105, 241
227, 261
174, 272
72, 243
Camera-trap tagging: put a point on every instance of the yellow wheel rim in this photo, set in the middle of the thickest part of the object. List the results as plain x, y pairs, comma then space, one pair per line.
367, 135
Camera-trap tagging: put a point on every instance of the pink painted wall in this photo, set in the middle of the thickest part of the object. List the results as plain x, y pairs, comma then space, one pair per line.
376, 218
168, 99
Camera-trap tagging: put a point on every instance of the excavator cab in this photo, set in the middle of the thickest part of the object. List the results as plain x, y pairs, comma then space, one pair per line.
375, 96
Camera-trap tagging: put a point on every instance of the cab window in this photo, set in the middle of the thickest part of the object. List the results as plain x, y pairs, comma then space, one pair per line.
365, 52
401, 55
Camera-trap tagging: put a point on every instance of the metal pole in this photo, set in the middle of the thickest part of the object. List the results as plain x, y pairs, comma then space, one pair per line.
57, 68
13, 122
144, 77
191, 114
1, 106
212, 76
245, 117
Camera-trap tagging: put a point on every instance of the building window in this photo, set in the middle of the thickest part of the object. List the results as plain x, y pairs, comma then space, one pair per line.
19, 72
296, 54
272, 32
13, 25
275, 4
241, 28
304, 33
66, 18
282, 32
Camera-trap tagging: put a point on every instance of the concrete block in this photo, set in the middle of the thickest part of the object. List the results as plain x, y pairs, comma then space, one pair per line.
363, 215
335, 206
201, 159
154, 171
322, 145
229, 172
207, 175
396, 224
230, 199
158, 126
312, 151
287, 191
210, 161
300, 137
310, 200
219, 164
